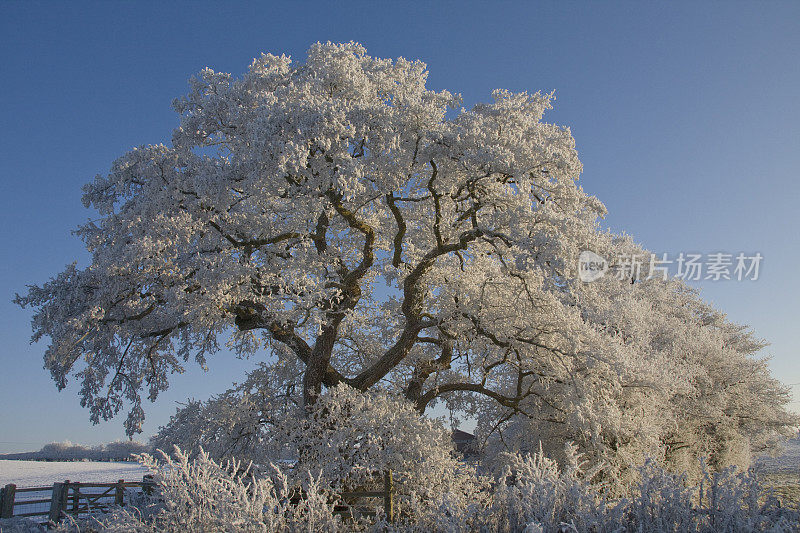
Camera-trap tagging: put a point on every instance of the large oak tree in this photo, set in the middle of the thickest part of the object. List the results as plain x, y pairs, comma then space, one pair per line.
370, 230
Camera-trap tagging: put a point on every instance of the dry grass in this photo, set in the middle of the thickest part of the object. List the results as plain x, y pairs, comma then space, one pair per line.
786, 487
782, 473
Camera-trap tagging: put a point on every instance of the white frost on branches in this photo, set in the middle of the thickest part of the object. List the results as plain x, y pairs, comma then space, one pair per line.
204, 495
348, 439
352, 437
531, 493
372, 232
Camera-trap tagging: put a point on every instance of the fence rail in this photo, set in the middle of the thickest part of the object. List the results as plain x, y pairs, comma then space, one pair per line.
387, 495
66, 498
71, 498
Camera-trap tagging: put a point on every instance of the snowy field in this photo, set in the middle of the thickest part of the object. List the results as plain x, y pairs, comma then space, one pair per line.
782, 473
43, 473
786, 463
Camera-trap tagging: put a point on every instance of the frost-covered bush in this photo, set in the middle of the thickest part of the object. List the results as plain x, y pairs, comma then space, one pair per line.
530, 494
348, 437
723, 501
532, 489
201, 495
20, 525
351, 437
731, 501
661, 501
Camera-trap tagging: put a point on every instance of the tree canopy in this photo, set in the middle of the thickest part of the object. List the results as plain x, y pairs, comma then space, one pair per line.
366, 230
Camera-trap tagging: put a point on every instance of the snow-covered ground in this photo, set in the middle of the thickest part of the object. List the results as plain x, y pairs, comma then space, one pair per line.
42, 473
782, 473
786, 463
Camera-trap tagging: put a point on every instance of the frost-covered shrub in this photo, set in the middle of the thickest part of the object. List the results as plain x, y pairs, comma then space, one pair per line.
348, 437
731, 501
661, 501
723, 501
533, 492
20, 525
533, 495
351, 437
201, 495
530, 494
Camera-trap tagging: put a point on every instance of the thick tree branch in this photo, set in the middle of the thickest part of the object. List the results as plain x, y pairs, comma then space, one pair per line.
424, 369
367, 253
437, 206
505, 401
401, 230
255, 243
319, 236
250, 315
412, 306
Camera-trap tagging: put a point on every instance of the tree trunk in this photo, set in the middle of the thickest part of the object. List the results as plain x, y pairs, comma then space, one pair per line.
317, 365
312, 382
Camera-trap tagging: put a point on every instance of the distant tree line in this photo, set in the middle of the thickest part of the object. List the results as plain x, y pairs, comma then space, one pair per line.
67, 451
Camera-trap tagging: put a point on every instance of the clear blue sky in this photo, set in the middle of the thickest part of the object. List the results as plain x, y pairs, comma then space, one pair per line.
686, 117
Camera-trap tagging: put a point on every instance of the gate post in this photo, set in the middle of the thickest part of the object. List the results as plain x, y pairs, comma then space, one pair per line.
57, 502
147, 484
119, 492
7, 500
76, 499
388, 495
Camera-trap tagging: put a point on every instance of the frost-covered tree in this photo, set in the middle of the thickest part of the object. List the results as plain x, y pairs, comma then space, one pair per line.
670, 378
370, 231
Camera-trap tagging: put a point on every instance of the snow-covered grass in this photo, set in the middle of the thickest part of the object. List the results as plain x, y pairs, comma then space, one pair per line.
782, 473
44, 473
786, 463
